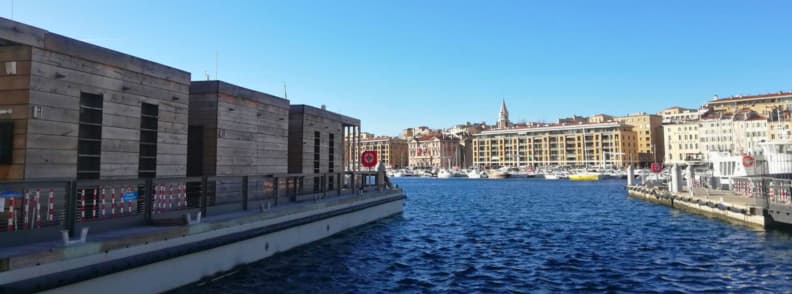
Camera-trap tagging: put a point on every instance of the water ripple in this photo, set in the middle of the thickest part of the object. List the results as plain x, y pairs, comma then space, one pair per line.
510, 236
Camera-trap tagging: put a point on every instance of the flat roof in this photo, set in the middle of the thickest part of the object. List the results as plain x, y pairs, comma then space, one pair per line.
749, 98
17, 33
310, 110
215, 86
552, 128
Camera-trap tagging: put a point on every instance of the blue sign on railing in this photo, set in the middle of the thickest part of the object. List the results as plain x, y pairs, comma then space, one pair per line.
129, 196
10, 194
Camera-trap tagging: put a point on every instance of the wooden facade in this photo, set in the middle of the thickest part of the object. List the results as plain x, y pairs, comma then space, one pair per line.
44, 76
316, 141
243, 132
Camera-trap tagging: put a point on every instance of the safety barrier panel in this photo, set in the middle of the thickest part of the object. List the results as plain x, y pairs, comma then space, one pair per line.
32, 205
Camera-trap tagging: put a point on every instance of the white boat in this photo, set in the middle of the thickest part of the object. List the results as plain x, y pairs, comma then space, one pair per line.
498, 174
552, 177
444, 174
403, 173
476, 174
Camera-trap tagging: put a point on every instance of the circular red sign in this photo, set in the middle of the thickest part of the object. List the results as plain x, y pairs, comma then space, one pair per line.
656, 167
368, 158
748, 161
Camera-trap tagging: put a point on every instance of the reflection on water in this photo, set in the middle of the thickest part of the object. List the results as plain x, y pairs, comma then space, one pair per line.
463, 235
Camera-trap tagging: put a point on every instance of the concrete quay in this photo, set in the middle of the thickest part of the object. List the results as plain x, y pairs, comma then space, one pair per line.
723, 205
154, 259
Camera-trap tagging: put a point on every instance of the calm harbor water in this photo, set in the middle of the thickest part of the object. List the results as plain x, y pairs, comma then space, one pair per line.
526, 235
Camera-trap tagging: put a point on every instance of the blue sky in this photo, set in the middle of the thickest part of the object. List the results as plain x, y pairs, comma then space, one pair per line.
397, 64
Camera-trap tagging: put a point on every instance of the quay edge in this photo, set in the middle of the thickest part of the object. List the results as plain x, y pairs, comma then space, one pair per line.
167, 264
747, 215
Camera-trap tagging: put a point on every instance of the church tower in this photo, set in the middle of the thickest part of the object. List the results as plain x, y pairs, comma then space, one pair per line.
503, 116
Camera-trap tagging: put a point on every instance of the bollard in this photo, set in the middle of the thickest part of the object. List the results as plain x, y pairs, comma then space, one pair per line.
191, 221
675, 179
630, 175
67, 241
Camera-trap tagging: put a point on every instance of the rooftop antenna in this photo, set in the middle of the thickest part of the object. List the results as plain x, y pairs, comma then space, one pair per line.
285, 93
207, 75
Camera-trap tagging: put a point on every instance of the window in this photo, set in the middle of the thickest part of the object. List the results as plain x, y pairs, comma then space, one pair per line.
317, 149
331, 160
6, 142
147, 162
89, 143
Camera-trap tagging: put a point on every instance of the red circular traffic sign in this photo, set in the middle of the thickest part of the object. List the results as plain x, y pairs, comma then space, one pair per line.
748, 161
368, 158
656, 167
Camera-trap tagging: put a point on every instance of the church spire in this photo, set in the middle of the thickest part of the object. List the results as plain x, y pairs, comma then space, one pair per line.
503, 116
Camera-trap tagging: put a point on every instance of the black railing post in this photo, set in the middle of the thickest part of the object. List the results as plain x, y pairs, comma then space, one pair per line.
204, 195
339, 179
275, 189
353, 183
245, 193
148, 200
71, 208
324, 185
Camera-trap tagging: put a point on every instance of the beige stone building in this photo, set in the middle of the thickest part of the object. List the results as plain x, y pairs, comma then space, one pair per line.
779, 127
392, 152
765, 104
649, 129
678, 114
597, 144
434, 151
682, 143
77, 110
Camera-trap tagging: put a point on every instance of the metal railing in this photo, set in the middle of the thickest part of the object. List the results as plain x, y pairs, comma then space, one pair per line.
768, 192
30, 207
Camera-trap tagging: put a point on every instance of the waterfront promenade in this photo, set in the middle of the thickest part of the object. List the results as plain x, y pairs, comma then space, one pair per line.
751, 201
187, 251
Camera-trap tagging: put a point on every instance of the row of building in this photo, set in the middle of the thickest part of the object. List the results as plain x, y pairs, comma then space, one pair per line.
70, 109
727, 126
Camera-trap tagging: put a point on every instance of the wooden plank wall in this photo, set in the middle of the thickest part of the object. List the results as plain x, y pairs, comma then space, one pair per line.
14, 96
255, 132
203, 112
58, 78
314, 121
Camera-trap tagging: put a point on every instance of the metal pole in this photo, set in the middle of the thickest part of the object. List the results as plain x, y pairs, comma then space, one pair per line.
339, 182
245, 193
275, 189
204, 195
71, 208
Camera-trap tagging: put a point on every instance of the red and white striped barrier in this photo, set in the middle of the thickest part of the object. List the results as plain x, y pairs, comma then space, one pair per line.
51, 207
26, 211
184, 195
129, 203
104, 203
82, 205
112, 202
11, 205
121, 208
37, 199
93, 202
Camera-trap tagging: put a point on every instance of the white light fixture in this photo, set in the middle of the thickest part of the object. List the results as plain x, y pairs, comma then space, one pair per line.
10, 67
38, 112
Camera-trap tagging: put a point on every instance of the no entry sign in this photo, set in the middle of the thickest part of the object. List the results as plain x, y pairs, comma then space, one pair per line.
368, 158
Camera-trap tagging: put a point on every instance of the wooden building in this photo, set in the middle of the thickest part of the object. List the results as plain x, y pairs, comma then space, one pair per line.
76, 110
236, 131
316, 143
